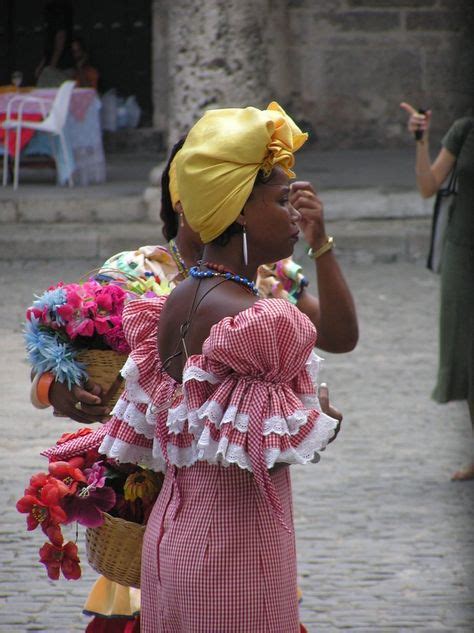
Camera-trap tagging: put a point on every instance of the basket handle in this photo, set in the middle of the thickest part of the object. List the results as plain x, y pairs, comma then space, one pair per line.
126, 276
112, 390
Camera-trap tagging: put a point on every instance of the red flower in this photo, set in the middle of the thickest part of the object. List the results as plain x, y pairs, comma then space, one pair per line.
41, 502
53, 532
40, 513
64, 559
34, 313
90, 457
66, 437
68, 474
36, 484
75, 462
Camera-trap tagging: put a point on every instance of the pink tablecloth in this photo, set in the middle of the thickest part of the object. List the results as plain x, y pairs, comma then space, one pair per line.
80, 101
82, 131
26, 134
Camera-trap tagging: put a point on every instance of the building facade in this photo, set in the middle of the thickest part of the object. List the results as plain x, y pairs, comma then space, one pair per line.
340, 67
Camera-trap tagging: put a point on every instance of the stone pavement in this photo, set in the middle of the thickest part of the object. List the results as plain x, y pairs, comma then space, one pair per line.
385, 539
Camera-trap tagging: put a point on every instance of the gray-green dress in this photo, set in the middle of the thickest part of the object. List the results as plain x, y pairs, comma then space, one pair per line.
456, 335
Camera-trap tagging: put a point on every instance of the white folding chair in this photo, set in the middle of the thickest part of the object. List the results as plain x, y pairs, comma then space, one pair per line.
53, 123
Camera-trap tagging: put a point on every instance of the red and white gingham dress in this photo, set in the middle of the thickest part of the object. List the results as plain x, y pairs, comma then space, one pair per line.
219, 549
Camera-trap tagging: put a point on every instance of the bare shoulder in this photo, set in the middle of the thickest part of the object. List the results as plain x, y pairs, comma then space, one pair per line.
226, 302
199, 307
219, 300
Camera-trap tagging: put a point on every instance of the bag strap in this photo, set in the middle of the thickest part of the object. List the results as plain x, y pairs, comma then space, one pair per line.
453, 182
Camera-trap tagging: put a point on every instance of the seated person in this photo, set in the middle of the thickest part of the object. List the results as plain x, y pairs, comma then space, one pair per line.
86, 76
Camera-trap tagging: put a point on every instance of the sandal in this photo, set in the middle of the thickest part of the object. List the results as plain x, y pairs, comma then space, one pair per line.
465, 474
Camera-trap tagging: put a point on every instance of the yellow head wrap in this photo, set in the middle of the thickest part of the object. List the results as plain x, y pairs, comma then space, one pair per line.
173, 184
217, 165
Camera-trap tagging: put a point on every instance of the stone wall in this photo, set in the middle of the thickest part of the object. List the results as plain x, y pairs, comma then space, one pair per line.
217, 55
353, 61
341, 67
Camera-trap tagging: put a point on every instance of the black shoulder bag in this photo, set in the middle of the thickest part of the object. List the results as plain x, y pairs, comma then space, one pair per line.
441, 214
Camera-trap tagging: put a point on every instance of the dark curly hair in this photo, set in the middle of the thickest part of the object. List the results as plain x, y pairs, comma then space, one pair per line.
167, 213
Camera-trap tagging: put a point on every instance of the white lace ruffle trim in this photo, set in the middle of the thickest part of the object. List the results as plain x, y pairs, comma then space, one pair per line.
214, 412
226, 453
196, 373
131, 375
129, 413
313, 365
131, 454
204, 448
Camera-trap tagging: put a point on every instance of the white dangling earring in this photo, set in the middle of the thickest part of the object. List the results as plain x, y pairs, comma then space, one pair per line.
244, 245
181, 219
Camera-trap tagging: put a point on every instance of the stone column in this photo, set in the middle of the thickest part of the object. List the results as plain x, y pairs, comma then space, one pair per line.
160, 77
221, 53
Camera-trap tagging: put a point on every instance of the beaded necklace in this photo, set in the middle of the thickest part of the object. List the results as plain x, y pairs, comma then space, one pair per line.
178, 260
218, 270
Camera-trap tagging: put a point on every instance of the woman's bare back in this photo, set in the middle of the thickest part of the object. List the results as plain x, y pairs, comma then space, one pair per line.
189, 314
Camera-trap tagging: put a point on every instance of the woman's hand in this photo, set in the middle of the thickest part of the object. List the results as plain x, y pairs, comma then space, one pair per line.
304, 199
66, 402
328, 409
333, 313
417, 122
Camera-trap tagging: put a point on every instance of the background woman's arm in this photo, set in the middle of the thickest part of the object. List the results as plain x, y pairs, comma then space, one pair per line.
429, 176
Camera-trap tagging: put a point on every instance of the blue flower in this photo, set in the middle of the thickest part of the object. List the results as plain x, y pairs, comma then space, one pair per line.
51, 299
47, 353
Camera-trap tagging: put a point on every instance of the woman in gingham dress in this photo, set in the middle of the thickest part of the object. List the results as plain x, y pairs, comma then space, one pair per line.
228, 399
226, 406
283, 280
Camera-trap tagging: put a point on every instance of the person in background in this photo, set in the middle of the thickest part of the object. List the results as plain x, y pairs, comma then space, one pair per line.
57, 63
85, 74
456, 327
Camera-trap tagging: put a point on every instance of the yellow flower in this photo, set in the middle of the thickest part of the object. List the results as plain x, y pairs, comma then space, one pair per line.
144, 484
151, 284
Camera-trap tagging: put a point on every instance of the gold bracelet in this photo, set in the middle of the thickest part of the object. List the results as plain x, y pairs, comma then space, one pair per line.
328, 245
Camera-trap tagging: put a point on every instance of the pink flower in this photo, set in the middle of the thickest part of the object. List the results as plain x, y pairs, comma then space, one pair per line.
115, 339
96, 475
77, 312
87, 506
115, 296
110, 300
84, 327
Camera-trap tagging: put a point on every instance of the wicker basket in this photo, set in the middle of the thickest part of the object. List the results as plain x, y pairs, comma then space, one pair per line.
115, 548
103, 367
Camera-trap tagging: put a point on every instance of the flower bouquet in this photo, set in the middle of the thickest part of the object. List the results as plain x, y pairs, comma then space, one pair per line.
93, 491
75, 330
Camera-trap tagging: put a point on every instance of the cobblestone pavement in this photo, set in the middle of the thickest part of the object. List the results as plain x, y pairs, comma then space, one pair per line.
385, 539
